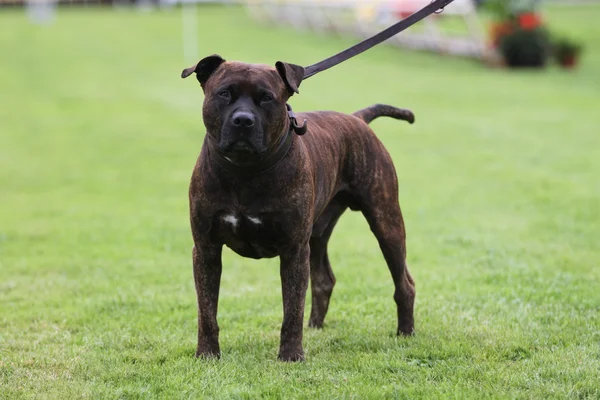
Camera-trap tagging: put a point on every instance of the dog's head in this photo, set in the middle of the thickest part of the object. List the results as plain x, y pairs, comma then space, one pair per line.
244, 105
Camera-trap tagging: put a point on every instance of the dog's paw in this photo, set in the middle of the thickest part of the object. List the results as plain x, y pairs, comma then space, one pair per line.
406, 331
291, 356
208, 354
315, 323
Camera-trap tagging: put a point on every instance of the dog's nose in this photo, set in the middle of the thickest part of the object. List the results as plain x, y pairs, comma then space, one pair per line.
243, 119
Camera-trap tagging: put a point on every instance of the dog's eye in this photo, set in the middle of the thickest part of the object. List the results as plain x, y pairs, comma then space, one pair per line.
225, 94
267, 98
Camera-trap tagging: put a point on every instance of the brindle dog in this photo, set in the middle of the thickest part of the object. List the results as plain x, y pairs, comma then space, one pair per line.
264, 191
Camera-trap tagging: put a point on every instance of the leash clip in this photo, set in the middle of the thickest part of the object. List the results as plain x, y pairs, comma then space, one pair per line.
298, 129
438, 11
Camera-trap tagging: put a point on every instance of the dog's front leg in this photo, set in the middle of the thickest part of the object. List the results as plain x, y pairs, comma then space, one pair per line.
207, 276
294, 269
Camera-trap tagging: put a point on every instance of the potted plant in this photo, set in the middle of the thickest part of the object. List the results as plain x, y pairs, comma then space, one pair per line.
566, 52
518, 32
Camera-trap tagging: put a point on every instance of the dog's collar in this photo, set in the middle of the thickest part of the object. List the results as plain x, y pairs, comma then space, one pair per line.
263, 165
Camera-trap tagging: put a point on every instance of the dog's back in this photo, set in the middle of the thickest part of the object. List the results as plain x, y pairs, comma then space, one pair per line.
346, 157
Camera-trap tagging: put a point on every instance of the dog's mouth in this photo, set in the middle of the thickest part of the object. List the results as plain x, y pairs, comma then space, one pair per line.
242, 152
241, 146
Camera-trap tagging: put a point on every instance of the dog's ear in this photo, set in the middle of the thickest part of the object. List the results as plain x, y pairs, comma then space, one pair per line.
291, 74
204, 68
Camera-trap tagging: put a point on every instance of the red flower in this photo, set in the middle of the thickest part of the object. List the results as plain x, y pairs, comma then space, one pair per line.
529, 21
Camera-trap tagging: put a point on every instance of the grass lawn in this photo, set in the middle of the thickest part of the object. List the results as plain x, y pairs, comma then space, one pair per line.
499, 185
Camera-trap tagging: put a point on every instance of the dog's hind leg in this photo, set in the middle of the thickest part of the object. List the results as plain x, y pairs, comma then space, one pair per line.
387, 225
322, 279
379, 205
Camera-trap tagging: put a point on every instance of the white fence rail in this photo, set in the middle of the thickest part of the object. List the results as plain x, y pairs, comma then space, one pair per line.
364, 18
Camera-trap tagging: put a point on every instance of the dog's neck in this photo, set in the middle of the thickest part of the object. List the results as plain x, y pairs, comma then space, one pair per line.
265, 163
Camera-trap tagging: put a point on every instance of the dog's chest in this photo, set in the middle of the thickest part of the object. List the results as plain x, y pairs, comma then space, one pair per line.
249, 235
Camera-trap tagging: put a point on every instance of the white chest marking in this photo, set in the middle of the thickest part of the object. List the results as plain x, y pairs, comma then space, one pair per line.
231, 219
256, 220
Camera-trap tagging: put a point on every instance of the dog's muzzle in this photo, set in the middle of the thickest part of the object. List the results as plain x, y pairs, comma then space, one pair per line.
241, 136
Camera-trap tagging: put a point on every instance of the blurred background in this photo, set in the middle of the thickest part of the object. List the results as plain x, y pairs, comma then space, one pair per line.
498, 184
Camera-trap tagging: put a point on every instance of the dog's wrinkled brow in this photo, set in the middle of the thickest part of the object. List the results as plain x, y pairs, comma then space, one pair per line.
257, 84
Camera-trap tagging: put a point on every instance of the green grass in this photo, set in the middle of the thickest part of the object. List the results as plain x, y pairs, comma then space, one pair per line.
499, 184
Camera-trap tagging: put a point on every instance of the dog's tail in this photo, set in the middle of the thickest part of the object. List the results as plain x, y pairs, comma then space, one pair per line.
368, 114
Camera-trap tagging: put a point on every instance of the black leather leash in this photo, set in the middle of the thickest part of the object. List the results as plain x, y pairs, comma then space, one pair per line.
376, 39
